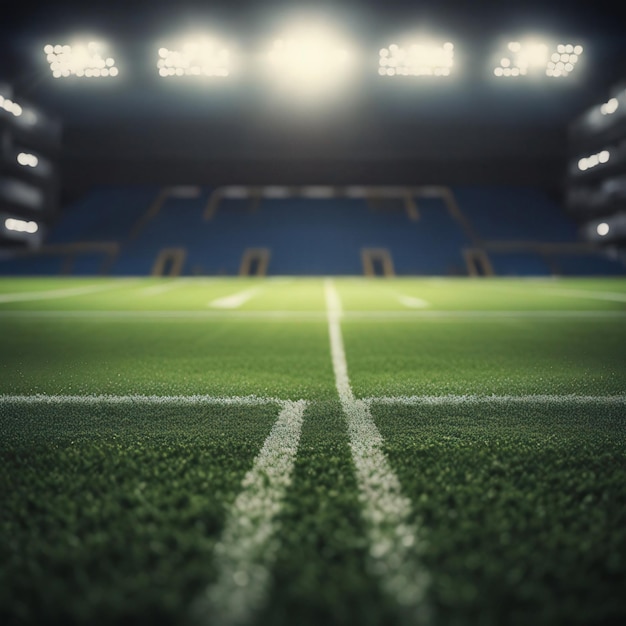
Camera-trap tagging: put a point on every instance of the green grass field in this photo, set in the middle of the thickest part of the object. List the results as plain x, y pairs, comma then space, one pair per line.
437, 452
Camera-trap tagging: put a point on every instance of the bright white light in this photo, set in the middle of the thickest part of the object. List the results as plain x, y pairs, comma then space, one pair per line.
10, 107
309, 59
602, 229
564, 60
88, 60
417, 59
610, 106
21, 226
27, 159
593, 160
195, 57
536, 57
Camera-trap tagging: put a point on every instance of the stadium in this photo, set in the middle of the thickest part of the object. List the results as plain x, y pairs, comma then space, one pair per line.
312, 313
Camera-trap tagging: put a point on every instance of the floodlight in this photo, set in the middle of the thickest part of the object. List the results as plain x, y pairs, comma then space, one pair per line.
8, 105
416, 59
83, 60
27, 159
21, 226
609, 107
309, 59
536, 57
204, 57
603, 229
593, 160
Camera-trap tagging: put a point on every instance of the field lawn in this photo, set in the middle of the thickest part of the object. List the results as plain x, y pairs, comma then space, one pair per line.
195, 451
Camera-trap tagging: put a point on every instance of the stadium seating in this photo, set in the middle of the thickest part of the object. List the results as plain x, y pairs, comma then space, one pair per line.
304, 236
104, 214
542, 238
515, 213
186, 231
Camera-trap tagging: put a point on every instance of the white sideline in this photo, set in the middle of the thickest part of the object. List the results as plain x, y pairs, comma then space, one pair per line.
48, 294
137, 399
392, 538
235, 300
247, 548
451, 399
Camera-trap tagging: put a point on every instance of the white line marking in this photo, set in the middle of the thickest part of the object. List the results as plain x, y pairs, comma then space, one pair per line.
412, 303
252, 400
492, 399
249, 542
612, 296
393, 539
53, 293
234, 301
155, 290
94, 399
357, 316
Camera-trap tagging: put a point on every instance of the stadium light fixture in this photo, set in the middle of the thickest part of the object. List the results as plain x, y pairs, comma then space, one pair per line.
609, 107
27, 159
8, 105
593, 160
310, 59
83, 60
200, 56
535, 57
416, 59
603, 229
21, 226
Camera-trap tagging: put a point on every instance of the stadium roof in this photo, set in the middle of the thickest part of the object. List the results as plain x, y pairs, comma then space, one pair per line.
138, 116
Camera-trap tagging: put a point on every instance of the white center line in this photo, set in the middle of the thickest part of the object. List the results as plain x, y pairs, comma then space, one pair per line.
249, 542
393, 539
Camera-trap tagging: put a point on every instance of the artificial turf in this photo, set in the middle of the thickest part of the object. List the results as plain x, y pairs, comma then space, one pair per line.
112, 504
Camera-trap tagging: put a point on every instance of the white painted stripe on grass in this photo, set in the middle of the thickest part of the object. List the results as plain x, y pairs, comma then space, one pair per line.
249, 542
612, 296
412, 302
296, 316
394, 543
469, 399
49, 294
136, 399
155, 290
234, 301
